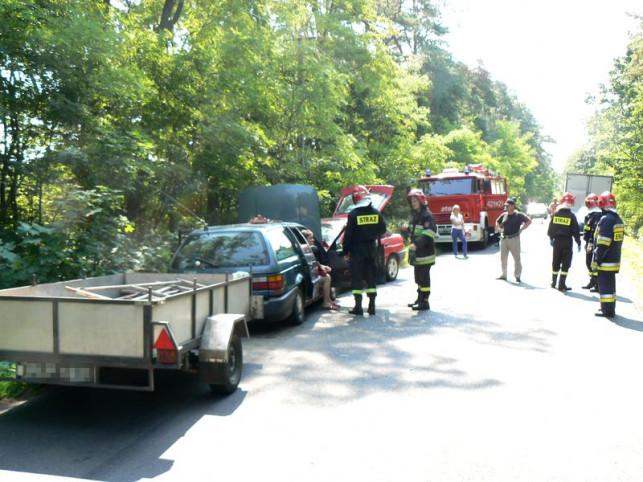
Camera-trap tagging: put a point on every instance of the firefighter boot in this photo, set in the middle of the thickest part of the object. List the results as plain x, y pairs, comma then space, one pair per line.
371, 303
357, 310
423, 302
554, 280
417, 300
561, 283
591, 284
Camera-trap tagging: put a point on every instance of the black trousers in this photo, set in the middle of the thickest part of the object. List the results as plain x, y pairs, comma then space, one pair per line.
562, 255
423, 277
363, 268
607, 290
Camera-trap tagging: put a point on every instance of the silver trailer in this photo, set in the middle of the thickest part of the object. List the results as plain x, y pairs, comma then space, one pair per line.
115, 331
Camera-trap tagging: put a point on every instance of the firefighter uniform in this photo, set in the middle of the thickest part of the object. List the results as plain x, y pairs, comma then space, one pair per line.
563, 227
365, 225
591, 221
608, 239
422, 230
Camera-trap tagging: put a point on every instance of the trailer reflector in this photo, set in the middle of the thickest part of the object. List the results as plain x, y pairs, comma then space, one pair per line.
165, 348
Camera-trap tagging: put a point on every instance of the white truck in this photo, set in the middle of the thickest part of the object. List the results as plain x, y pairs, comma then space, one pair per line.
115, 331
580, 185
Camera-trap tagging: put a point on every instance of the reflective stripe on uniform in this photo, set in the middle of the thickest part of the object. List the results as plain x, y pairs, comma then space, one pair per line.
371, 290
608, 298
425, 260
357, 292
609, 267
428, 232
603, 240
425, 289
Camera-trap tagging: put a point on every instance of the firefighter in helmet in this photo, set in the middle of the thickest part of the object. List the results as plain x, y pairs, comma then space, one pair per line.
364, 226
608, 240
591, 220
563, 227
422, 230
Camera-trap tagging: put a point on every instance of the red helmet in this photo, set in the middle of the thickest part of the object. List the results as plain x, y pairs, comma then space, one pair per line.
606, 200
591, 200
418, 193
360, 193
568, 198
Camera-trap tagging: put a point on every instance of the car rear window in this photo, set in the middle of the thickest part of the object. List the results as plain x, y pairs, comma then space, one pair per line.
222, 250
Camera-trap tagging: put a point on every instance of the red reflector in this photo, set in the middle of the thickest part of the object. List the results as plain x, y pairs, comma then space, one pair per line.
164, 342
165, 349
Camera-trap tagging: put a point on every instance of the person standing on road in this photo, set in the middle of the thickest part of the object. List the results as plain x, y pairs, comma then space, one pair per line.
552, 207
364, 226
608, 239
591, 221
421, 230
563, 227
510, 224
457, 231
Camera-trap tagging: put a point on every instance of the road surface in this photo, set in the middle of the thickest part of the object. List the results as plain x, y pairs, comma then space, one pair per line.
499, 381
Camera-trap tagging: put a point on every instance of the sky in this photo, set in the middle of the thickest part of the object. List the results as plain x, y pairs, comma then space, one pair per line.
551, 54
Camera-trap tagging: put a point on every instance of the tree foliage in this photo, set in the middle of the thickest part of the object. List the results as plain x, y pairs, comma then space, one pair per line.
616, 130
119, 119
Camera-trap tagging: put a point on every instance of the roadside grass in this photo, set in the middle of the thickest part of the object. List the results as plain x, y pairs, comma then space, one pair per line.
12, 390
632, 266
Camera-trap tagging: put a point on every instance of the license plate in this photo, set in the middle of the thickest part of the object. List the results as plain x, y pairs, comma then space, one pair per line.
54, 372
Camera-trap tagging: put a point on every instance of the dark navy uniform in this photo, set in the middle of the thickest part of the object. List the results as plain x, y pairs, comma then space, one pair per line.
608, 239
563, 227
591, 221
422, 230
365, 225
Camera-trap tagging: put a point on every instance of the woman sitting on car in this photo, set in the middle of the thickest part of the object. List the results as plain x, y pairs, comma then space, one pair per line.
324, 272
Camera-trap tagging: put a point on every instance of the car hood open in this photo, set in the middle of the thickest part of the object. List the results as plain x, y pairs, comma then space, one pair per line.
380, 196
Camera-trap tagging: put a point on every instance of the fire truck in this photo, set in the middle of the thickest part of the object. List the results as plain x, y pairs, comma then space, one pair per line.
480, 193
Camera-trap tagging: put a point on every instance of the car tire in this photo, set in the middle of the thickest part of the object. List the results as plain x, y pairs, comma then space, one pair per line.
229, 374
392, 267
298, 315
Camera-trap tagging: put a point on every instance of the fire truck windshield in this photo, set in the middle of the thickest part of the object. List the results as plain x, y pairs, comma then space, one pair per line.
448, 187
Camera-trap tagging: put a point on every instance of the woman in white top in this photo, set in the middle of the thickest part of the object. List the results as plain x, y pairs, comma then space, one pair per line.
457, 230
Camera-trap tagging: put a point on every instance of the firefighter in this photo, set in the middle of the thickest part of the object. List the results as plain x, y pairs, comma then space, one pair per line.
364, 226
422, 232
608, 240
563, 227
591, 220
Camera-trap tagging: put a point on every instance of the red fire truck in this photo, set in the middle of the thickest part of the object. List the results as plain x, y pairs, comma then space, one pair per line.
480, 193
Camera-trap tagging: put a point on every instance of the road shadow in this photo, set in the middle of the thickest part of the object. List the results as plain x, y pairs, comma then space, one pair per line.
95, 433
628, 323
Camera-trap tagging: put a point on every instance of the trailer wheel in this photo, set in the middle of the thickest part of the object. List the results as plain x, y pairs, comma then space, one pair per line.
229, 374
298, 315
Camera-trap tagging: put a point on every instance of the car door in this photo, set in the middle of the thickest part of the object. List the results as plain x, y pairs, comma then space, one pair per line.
308, 261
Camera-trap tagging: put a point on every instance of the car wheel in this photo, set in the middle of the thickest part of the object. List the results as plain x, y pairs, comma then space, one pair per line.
297, 316
229, 373
392, 268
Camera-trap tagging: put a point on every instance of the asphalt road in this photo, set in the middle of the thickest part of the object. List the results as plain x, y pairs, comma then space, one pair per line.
499, 381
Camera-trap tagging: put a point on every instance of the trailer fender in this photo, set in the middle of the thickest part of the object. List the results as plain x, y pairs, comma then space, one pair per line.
217, 333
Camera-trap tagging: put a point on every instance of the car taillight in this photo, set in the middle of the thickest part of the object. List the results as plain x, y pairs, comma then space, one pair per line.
273, 283
166, 351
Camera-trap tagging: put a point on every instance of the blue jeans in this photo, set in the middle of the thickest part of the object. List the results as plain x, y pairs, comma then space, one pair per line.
455, 234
